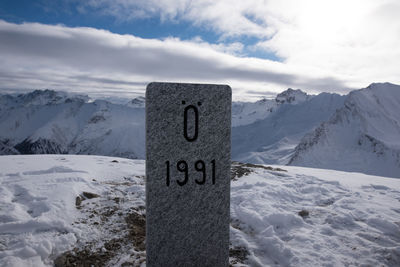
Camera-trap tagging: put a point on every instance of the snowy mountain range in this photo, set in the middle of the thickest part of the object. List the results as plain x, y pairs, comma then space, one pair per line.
49, 122
356, 132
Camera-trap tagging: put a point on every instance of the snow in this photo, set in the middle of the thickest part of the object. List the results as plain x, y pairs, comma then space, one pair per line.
273, 140
52, 122
292, 96
354, 219
358, 132
362, 136
38, 213
284, 215
245, 113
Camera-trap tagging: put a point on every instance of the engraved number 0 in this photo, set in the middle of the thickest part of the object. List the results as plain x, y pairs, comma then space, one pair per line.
196, 123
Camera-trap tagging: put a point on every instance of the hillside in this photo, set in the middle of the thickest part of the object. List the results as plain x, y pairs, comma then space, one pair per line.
363, 136
272, 140
244, 113
49, 122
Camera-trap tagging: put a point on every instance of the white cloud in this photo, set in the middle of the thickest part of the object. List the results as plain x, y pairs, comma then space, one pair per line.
356, 40
226, 17
95, 61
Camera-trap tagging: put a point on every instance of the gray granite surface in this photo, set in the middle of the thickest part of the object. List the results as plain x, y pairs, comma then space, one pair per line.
187, 204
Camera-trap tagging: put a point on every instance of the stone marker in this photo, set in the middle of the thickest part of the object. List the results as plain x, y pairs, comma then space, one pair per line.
188, 143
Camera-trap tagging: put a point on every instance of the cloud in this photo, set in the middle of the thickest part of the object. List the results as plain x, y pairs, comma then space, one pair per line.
226, 17
93, 61
357, 41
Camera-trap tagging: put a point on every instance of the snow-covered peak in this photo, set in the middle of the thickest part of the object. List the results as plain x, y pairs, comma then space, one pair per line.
292, 96
41, 98
244, 113
378, 109
362, 136
137, 102
273, 139
55, 122
378, 86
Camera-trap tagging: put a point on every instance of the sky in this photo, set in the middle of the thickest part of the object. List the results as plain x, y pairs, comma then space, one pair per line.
258, 47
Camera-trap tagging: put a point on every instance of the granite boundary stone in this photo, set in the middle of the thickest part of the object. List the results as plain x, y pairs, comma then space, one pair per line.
188, 129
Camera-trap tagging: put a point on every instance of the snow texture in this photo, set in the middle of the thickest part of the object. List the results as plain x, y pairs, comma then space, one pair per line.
280, 215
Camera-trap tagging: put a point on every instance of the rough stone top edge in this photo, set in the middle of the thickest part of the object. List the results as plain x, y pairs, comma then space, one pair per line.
153, 85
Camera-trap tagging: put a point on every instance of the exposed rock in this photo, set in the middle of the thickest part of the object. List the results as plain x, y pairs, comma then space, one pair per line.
78, 201
89, 195
239, 169
40, 146
137, 229
304, 213
238, 255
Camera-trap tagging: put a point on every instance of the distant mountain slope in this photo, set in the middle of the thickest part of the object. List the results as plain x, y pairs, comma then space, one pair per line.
6, 149
362, 136
244, 113
49, 122
272, 140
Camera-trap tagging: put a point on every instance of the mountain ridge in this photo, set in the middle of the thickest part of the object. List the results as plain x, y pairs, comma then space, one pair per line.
269, 131
53, 122
361, 136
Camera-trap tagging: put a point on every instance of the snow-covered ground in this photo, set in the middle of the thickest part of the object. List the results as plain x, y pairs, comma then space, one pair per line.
44, 211
65, 209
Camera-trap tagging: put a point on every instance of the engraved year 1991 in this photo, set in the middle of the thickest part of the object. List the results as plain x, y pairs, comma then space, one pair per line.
183, 167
